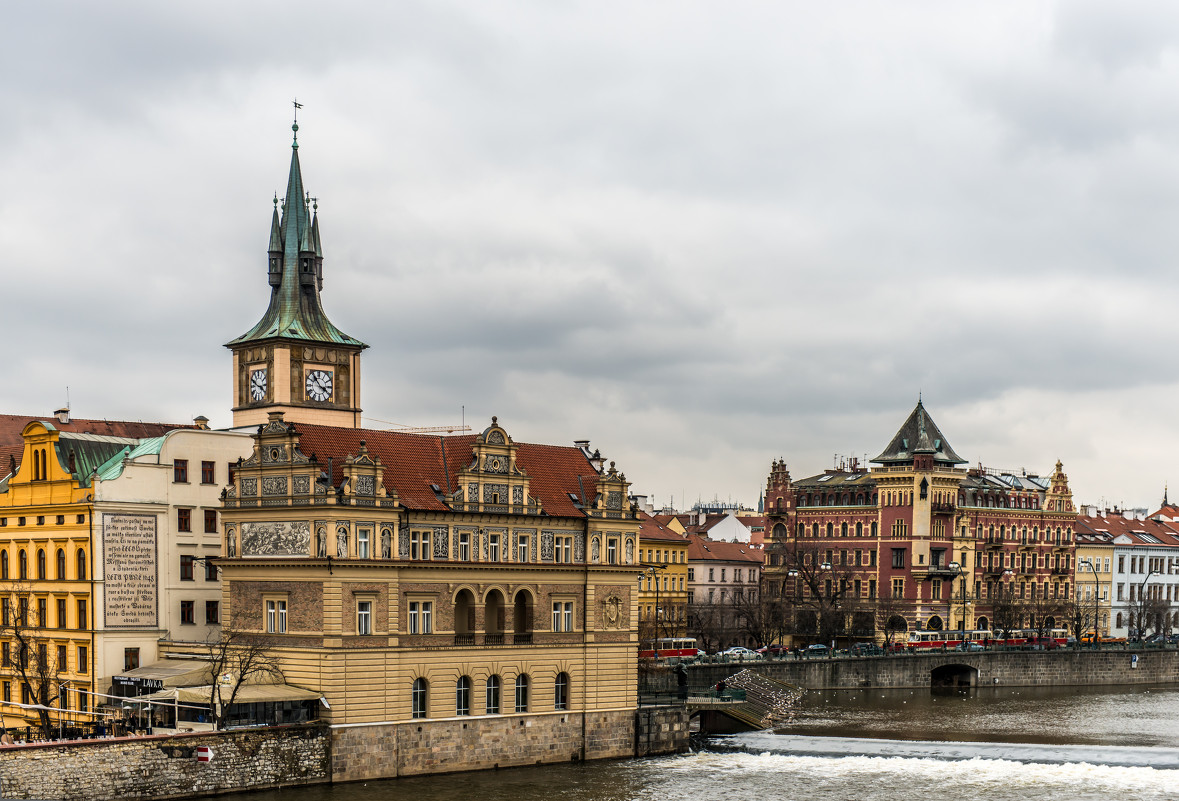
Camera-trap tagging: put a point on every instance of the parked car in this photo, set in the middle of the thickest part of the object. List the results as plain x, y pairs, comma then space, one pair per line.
773, 650
818, 649
740, 652
970, 646
865, 649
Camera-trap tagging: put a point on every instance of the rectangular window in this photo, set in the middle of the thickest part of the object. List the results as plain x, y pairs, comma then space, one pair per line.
898, 588
364, 617
83, 624
898, 558
188, 612
61, 613
212, 612
83, 699
180, 471
186, 563
8, 691
61, 520
83, 659
210, 570
43, 612
210, 521
611, 551
711, 576
564, 552
62, 659
421, 617
276, 617
871, 588
130, 658
464, 553
871, 558
419, 545
363, 538
522, 549
562, 616
493, 547
208, 473
936, 590
184, 520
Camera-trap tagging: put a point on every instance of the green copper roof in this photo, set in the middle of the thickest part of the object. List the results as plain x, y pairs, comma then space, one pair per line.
295, 311
113, 467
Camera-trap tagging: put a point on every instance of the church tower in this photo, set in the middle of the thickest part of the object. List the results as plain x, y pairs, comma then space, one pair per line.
294, 360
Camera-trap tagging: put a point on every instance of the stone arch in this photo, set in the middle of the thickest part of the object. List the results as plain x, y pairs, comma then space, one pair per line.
982, 623
464, 611
953, 677
522, 606
935, 623
493, 612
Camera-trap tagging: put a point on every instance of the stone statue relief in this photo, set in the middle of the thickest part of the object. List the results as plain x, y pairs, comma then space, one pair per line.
230, 543
342, 543
595, 550
630, 551
321, 543
613, 612
386, 544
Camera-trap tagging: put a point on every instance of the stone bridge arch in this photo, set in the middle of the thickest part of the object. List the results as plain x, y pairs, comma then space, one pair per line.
953, 676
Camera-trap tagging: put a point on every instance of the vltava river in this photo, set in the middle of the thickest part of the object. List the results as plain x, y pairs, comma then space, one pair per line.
992, 745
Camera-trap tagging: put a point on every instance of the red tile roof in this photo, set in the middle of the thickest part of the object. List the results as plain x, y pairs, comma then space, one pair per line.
702, 549
12, 445
413, 462
651, 529
1118, 525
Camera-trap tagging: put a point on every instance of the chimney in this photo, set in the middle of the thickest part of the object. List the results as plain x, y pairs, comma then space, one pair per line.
62, 414
201, 422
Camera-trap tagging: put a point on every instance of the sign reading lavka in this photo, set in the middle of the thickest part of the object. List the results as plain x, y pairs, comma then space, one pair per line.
131, 573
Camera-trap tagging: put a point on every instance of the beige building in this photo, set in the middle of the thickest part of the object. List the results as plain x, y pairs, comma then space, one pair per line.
436, 590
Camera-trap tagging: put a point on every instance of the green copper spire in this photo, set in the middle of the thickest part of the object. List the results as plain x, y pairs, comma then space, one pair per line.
295, 273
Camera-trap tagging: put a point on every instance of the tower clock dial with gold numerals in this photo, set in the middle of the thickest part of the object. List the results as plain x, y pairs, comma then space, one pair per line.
258, 385
319, 385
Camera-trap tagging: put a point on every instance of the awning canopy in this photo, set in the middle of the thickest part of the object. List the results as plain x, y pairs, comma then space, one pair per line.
171, 672
246, 694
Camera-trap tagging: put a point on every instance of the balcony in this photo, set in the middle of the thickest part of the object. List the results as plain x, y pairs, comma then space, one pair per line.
943, 508
493, 639
464, 639
522, 639
993, 542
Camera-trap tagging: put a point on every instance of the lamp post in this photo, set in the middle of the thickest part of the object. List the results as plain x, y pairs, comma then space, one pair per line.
958, 571
1141, 616
1096, 602
651, 571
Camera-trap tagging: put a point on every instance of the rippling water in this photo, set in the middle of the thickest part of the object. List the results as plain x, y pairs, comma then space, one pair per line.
1039, 746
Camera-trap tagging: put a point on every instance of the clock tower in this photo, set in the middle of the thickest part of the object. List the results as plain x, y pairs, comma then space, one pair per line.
294, 360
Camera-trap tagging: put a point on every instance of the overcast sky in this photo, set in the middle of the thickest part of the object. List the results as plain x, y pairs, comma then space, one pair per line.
702, 235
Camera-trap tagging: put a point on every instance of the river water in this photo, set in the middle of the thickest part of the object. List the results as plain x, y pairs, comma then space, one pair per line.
988, 745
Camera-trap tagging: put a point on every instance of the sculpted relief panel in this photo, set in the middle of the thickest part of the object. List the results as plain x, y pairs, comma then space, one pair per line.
285, 538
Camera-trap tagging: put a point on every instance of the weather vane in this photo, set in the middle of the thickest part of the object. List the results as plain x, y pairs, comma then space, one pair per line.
298, 106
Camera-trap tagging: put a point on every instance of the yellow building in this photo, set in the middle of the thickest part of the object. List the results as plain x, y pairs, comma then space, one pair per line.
663, 581
50, 629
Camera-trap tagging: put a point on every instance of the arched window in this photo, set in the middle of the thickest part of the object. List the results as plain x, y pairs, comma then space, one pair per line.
464, 617
23, 565
830, 530
522, 692
420, 697
3, 564
1119, 619
493, 615
561, 691
493, 689
41, 563
802, 529
873, 528
81, 564
814, 529
522, 615
60, 564
462, 696
859, 529
843, 529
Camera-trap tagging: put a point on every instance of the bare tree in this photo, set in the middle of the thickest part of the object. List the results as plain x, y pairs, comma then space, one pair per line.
1005, 611
1042, 611
763, 615
889, 613
27, 652
706, 622
818, 589
237, 657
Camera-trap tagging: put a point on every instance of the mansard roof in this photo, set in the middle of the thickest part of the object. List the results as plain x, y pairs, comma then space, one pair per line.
414, 462
919, 434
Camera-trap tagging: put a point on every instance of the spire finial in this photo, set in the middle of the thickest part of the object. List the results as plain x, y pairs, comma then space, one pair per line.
295, 125
276, 200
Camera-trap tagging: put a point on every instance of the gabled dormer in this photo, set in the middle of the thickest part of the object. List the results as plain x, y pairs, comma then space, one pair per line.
363, 483
1059, 497
492, 481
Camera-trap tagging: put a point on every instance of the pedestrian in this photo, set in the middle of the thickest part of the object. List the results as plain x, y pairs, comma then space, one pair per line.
720, 688
5, 737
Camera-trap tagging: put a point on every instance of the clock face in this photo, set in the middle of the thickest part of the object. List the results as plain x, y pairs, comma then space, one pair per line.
258, 385
319, 385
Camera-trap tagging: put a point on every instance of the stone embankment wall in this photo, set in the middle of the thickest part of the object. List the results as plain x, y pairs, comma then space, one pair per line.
385, 750
1010, 668
166, 766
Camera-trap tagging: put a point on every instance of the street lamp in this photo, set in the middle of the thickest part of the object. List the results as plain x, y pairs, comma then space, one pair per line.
1141, 616
1096, 602
958, 571
651, 570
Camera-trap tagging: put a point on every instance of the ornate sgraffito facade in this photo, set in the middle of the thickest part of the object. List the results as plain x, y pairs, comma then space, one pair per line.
393, 570
489, 588
923, 541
